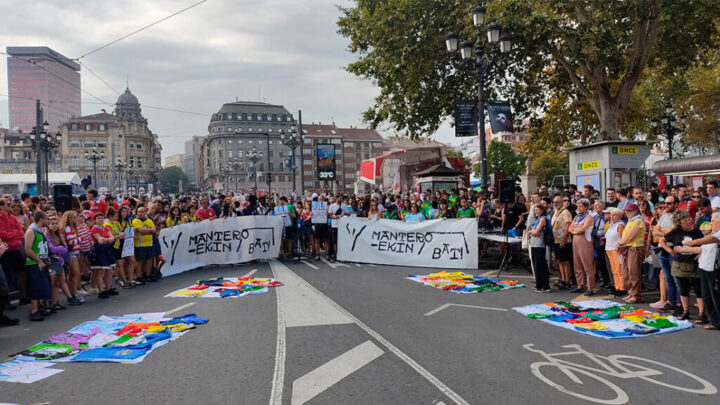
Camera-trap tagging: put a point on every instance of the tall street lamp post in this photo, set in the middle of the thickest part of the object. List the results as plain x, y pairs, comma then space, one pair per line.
120, 167
94, 157
668, 126
45, 143
476, 61
235, 165
255, 157
292, 141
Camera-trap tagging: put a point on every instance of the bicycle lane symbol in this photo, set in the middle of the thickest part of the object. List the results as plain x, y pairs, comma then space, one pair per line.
617, 365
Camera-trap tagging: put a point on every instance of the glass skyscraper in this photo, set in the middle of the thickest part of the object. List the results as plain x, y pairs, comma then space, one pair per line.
38, 72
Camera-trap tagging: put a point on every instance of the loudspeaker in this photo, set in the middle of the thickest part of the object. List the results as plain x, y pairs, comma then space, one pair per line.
507, 191
62, 197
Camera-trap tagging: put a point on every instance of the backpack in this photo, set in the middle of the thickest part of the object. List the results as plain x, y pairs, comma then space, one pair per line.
548, 236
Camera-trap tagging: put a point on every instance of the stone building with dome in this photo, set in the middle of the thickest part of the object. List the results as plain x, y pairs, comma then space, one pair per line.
130, 150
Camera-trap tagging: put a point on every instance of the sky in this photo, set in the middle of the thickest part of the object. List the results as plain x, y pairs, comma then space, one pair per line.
284, 52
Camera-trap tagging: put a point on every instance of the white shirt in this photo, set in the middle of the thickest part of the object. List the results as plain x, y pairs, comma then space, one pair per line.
612, 237
332, 210
707, 257
715, 202
665, 221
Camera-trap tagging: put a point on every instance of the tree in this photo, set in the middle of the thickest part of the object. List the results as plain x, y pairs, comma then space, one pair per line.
549, 163
602, 48
170, 177
703, 105
502, 158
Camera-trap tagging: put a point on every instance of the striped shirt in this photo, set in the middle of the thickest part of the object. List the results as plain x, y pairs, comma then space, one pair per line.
72, 239
83, 234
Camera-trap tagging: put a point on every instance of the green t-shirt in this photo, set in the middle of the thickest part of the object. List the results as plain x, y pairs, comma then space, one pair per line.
40, 248
291, 209
468, 212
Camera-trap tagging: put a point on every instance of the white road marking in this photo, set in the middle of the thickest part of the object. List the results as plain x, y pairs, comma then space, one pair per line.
280, 349
180, 308
312, 266
358, 265
334, 265
456, 398
303, 305
448, 305
250, 273
315, 382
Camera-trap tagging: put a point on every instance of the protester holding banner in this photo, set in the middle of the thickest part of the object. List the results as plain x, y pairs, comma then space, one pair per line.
414, 215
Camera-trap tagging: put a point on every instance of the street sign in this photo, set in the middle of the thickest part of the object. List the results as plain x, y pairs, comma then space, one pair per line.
466, 120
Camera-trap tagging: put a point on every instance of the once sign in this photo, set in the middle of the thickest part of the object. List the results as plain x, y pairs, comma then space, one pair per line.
435, 243
220, 241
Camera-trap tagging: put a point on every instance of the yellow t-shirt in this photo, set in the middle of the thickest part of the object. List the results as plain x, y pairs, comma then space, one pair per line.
143, 240
639, 239
114, 230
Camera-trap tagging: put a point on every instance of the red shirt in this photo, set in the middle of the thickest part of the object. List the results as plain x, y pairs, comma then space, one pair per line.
10, 231
105, 232
205, 213
688, 205
98, 205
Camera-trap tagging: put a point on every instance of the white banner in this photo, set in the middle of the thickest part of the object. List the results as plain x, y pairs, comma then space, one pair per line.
220, 241
448, 243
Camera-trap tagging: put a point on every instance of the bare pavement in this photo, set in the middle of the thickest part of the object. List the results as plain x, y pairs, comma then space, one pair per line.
345, 333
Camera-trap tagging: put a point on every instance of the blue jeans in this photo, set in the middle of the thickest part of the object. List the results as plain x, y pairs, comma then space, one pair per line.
672, 289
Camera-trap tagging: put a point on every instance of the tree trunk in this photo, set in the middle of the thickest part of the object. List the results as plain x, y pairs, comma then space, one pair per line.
609, 116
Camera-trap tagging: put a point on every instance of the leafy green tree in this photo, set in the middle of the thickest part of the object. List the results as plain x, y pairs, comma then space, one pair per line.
502, 158
601, 47
549, 163
170, 177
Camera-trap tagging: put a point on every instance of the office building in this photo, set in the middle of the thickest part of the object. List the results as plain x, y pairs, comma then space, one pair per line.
233, 132
38, 72
175, 161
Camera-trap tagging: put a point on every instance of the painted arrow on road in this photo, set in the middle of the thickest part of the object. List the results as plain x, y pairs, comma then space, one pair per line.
448, 305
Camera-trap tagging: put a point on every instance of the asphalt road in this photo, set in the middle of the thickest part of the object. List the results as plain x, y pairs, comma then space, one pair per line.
359, 334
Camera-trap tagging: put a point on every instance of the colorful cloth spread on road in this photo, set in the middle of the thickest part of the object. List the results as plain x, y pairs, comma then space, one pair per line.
121, 339
223, 287
603, 318
462, 283
26, 370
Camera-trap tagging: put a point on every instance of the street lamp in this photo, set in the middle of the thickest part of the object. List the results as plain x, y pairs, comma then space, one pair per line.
667, 125
44, 143
476, 61
235, 164
120, 166
94, 157
292, 141
255, 157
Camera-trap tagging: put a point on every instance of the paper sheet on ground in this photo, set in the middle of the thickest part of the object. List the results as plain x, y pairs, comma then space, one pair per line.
26, 370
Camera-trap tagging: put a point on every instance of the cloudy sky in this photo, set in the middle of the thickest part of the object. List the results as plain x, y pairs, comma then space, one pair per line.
282, 51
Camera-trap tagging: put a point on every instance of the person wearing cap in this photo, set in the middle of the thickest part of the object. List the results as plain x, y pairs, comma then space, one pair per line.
581, 229
633, 240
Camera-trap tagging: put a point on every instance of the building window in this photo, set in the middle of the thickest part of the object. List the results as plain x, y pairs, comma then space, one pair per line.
307, 162
288, 118
88, 127
102, 127
244, 116
73, 127
271, 166
74, 144
138, 146
230, 154
234, 116
89, 144
255, 117
74, 163
274, 117
239, 153
102, 145
131, 145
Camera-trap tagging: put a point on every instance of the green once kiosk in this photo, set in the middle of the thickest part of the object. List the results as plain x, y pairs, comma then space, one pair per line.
607, 164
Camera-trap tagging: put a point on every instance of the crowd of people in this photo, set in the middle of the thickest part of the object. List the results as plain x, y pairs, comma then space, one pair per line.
667, 238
